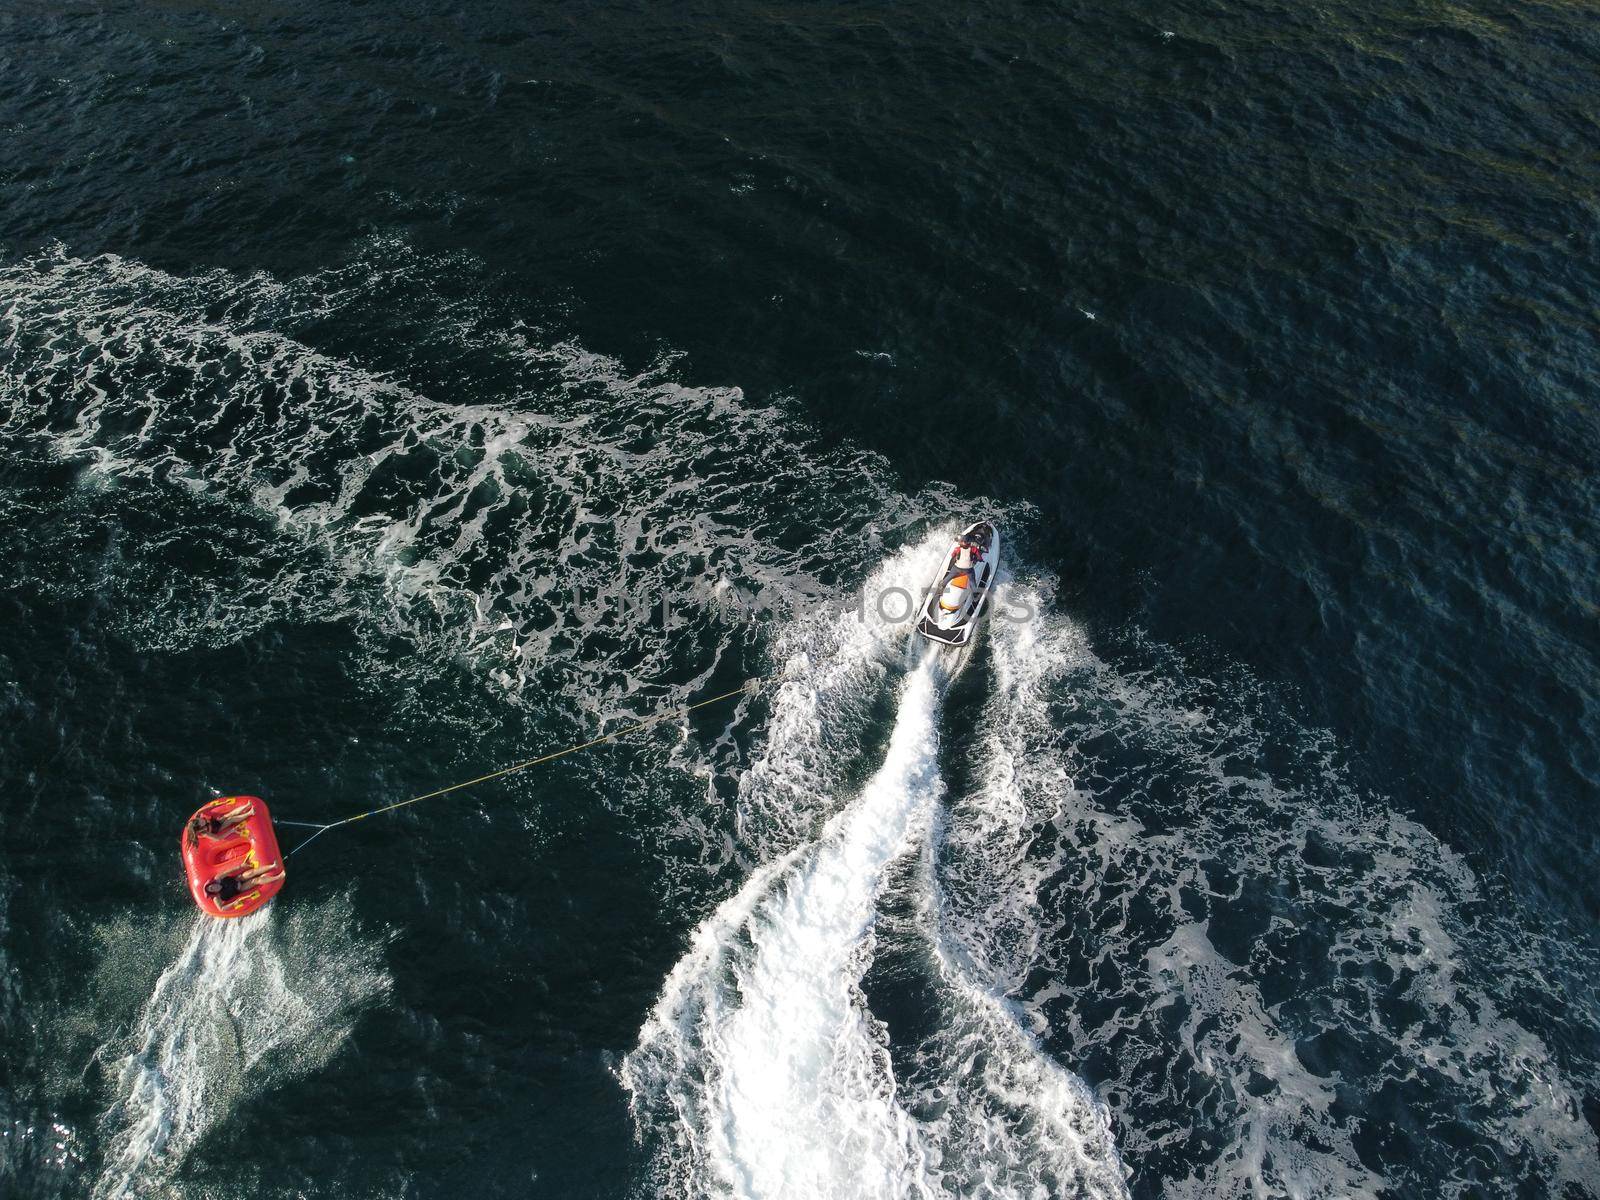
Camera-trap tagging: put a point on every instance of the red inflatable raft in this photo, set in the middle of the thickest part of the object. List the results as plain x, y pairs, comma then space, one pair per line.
226, 844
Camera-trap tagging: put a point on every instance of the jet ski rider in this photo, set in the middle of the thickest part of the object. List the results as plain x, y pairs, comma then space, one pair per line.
966, 554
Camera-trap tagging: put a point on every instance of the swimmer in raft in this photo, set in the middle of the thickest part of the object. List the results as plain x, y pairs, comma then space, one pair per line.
233, 881
218, 828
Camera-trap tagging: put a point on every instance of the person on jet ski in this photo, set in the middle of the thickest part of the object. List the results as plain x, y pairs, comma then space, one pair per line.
966, 554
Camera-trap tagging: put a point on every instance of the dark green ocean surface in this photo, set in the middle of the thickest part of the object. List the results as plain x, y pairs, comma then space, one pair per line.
392, 392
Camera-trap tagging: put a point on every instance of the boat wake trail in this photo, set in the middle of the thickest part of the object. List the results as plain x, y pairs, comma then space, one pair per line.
486, 492
763, 1070
1265, 968
1152, 874
1276, 982
246, 1000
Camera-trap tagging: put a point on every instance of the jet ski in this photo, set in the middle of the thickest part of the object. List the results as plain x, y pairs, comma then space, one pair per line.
950, 613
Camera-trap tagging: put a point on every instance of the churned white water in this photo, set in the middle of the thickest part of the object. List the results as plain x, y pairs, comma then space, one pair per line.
247, 1004
1134, 871
762, 1071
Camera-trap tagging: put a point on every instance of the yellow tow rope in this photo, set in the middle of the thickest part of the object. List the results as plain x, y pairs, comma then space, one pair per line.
742, 689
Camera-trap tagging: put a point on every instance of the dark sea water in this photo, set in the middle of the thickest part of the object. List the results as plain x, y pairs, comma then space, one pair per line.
390, 392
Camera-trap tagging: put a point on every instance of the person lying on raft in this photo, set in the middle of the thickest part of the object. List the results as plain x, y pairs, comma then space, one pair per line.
233, 881
221, 827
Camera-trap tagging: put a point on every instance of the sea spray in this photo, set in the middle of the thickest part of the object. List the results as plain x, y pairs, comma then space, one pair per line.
835, 667
803, 1085
1232, 905
435, 518
762, 1070
247, 1003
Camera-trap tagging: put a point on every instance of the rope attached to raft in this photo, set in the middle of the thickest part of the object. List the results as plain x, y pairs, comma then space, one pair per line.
743, 689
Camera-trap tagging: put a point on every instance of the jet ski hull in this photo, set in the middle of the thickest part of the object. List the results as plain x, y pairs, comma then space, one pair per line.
959, 628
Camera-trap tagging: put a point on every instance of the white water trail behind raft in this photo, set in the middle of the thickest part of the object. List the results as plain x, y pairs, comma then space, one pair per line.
248, 1003
763, 1073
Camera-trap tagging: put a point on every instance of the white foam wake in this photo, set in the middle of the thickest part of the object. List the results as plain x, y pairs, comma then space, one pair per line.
246, 1004
762, 1072
1181, 887
772, 1068
834, 668
500, 519
806, 1098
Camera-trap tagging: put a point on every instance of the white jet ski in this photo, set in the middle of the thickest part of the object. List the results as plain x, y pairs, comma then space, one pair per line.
955, 601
